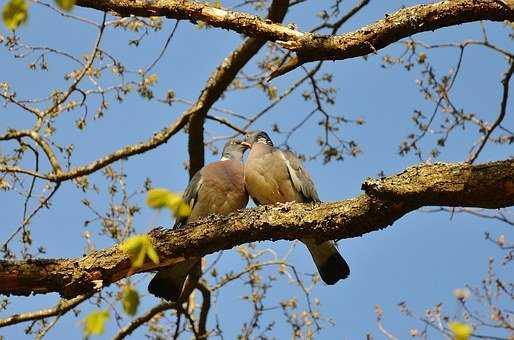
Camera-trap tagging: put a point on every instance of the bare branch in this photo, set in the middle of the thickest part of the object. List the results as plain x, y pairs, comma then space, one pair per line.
18, 170
27, 219
403, 23
82, 73
11, 98
225, 122
219, 82
309, 47
47, 149
337, 25
143, 319
204, 311
149, 68
489, 185
498, 215
157, 139
62, 307
503, 110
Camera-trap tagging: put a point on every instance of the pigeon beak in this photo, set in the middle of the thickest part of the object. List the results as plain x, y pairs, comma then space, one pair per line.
248, 145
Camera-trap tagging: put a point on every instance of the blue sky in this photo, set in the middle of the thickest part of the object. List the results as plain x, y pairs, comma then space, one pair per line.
420, 259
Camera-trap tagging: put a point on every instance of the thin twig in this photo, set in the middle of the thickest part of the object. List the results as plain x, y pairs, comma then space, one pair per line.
143, 319
503, 110
43, 203
164, 47
62, 307
86, 68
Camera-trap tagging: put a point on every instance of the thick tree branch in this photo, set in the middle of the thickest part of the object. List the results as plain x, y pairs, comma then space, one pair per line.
489, 185
309, 47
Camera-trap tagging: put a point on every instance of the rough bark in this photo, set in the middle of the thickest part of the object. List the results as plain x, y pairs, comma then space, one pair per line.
489, 185
309, 47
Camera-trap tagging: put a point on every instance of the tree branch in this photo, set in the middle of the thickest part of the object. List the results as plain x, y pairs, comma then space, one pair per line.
195, 115
218, 83
62, 307
309, 47
489, 185
204, 311
503, 110
157, 139
143, 319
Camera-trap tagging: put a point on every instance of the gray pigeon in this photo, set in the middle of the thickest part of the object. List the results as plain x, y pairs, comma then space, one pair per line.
216, 188
272, 176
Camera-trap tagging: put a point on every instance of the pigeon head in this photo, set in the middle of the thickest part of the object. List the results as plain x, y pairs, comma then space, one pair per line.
256, 137
234, 149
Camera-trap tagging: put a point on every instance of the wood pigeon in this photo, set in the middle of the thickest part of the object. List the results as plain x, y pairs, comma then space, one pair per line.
272, 176
217, 188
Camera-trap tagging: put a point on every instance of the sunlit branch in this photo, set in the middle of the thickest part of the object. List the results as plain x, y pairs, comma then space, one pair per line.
489, 185
403, 23
18, 170
62, 307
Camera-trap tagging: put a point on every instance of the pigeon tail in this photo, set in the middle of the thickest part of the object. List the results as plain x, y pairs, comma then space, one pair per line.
169, 284
331, 265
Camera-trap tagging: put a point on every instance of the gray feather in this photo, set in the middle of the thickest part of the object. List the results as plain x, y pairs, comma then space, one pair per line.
300, 178
190, 195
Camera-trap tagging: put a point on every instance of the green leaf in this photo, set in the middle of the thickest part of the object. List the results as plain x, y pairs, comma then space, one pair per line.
177, 206
152, 254
15, 13
95, 322
130, 300
201, 25
162, 198
139, 247
157, 198
461, 331
66, 5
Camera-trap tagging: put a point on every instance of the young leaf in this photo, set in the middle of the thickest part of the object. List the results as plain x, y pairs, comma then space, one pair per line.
461, 331
15, 13
152, 254
66, 5
95, 322
160, 198
177, 205
157, 198
139, 247
130, 300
